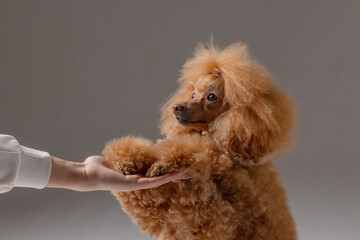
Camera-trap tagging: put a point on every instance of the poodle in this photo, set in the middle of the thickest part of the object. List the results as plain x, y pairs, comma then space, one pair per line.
224, 126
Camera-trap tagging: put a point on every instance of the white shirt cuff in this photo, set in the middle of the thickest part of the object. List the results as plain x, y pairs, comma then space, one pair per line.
34, 170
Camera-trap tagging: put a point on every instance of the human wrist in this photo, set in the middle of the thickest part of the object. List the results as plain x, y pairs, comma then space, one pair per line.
66, 174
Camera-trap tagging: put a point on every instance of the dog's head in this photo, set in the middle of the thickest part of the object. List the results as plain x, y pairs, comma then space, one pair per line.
232, 97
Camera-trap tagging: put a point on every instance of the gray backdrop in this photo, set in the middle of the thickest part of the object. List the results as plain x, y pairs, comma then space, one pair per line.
74, 74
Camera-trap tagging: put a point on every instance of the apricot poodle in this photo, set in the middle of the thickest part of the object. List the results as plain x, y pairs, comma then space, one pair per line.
223, 126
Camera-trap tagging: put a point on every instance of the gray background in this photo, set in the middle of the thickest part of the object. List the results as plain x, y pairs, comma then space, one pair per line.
74, 74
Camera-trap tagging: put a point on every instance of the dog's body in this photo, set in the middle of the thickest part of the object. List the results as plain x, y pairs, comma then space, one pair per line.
230, 122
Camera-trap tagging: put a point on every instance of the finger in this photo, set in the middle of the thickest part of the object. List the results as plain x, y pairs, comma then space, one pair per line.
145, 182
185, 176
133, 177
158, 181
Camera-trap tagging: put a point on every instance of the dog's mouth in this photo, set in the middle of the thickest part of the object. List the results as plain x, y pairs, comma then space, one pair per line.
186, 122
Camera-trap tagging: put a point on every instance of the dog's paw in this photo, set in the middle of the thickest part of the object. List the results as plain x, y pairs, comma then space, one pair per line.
130, 155
126, 168
158, 169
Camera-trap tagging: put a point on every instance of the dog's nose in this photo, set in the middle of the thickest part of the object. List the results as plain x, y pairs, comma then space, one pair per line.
178, 107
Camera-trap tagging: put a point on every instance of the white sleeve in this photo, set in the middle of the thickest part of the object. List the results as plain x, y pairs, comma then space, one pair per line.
21, 166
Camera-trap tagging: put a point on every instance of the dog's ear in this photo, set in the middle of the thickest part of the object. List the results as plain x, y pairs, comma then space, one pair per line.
258, 132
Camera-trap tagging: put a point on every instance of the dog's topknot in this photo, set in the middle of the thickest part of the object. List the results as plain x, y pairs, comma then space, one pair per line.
234, 61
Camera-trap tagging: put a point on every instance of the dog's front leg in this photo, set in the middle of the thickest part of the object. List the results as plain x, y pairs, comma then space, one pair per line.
176, 154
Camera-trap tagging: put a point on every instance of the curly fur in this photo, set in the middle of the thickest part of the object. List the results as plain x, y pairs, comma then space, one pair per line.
234, 192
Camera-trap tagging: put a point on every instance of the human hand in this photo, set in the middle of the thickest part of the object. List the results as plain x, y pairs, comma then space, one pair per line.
100, 177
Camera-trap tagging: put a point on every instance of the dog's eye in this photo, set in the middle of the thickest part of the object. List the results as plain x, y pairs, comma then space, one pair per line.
193, 95
212, 97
